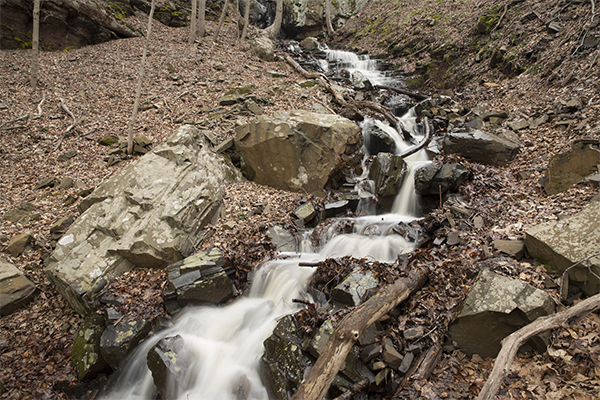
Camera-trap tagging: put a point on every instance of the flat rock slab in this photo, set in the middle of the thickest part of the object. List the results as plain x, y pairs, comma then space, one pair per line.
481, 147
150, 214
568, 168
15, 289
495, 307
565, 242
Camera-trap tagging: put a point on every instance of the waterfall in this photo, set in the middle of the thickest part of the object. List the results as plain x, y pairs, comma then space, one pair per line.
226, 342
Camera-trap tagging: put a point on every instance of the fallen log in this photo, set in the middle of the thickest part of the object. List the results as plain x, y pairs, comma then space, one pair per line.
319, 378
423, 143
512, 343
416, 96
316, 75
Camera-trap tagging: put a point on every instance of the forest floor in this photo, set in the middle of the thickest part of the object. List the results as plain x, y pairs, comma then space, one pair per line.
183, 85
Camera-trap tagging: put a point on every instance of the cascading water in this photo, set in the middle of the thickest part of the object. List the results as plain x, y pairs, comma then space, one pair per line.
226, 343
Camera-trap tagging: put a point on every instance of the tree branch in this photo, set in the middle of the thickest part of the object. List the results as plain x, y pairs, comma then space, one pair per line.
512, 343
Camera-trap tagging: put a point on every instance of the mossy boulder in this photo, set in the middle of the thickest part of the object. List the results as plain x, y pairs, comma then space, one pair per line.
86, 357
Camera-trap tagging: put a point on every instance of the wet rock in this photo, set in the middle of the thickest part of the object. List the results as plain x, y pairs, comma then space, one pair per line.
513, 248
17, 244
306, 212
85, 355
351, 292
377, 140
282, 238
399, 105
299, 150
23, 214
562, 243
436, 177
283, 364
568, 168
117, 341
169, 362
199, 279
337, 209
481, 147
495, 307
263, 48
388, 172
15, 289
140, 218
360, 82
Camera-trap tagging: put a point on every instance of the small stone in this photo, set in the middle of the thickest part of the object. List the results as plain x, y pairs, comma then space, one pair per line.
66, 155
514, 248
65, 183
519, 124
478, 222
453, 238
44, 183
539, 121
305, 212
414, 333
390, 355
406, 363
16, 245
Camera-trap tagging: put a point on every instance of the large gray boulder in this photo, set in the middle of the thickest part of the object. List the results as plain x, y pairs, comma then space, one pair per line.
169, 363
306, 17
481, 147
150, 214
263, 48
568, 168
86, 357
495, 307
299, 150
63, 23
15, 289
567, 241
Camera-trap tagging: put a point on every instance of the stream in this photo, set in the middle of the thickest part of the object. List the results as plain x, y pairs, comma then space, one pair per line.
226, 342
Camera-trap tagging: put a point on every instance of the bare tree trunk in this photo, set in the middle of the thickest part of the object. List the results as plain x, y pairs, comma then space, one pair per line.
221, 20
512, 343
35, 43
246, 20
274, 29
138, 93
238, 18
328, 17
319, 378
192, 36
202, 19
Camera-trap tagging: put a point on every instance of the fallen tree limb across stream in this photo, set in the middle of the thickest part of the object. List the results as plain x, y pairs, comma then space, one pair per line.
319, 378
512, 343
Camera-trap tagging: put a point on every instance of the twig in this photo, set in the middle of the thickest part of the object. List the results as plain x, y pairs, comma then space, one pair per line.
64, 107
423, 143
416, 96
10, 128
182, 94
354, 389
501, 18
39, 107
15, 120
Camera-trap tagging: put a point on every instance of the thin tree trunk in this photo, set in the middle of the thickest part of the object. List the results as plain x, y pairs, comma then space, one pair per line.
274, 29
35, 43
221, 20
139, 84
238, 19
192, 36
328, 17
512, 343
202, 19
319, 378
246, 20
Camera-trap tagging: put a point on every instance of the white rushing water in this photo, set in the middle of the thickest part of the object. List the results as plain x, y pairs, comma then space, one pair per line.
227, 342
